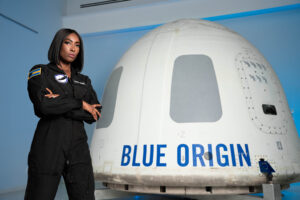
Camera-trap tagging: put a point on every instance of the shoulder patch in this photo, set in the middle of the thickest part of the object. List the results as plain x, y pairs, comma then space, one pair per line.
34, 72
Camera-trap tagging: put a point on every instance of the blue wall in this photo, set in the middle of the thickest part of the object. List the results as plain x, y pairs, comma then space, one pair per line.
21, 48
276, 35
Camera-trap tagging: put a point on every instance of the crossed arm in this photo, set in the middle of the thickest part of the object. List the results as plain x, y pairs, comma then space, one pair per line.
47, 104
91, 108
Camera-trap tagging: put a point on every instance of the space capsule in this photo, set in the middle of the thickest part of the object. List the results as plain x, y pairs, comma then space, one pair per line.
192, 108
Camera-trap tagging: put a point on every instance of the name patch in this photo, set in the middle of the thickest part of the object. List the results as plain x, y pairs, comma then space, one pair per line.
78, 82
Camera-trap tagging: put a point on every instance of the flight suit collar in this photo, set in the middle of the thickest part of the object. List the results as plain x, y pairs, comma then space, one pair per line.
55, 68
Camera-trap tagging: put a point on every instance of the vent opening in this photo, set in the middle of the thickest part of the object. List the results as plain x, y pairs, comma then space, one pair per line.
162, 189
269, 109
126, 187
208, 189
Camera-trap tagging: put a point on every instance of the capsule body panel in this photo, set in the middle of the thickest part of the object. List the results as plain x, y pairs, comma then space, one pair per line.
193, 105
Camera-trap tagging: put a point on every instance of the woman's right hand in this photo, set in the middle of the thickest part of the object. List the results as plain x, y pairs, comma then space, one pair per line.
92, 109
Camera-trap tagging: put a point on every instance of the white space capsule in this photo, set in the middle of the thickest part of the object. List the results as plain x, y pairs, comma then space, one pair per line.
191, 108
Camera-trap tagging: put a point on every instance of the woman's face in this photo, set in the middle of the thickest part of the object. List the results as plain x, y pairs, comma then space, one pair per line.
70, 48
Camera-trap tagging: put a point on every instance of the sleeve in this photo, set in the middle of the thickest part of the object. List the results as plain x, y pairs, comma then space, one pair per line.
43, 106
81, 115
91, 98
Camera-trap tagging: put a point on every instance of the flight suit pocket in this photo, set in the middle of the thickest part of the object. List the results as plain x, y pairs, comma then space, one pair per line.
80, 91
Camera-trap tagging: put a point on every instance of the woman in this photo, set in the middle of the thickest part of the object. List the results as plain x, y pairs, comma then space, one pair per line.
62, 99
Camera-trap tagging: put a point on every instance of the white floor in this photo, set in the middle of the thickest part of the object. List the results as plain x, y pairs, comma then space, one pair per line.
293, 193
109, 194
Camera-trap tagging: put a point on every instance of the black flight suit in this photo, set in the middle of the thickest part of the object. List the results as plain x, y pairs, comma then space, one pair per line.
59, 146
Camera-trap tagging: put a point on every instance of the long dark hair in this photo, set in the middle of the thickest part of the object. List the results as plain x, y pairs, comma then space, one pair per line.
54, 50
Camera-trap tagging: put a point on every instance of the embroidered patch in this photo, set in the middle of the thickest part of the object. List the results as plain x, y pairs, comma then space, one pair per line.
34, 72
81, 83
61, 78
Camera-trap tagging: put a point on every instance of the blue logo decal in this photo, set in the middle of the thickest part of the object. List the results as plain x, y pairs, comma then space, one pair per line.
196, 155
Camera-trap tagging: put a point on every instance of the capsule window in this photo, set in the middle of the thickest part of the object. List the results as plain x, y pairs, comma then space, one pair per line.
109, 98
269, 109
194, 90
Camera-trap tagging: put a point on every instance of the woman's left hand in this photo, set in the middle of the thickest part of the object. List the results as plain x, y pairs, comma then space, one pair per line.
51, 95
92, 109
